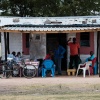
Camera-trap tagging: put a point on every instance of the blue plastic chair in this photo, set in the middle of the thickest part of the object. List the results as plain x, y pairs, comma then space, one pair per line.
48, 65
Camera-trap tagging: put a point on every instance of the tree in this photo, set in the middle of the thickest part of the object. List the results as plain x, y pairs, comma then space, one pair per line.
4, 4
79, 7
49, 7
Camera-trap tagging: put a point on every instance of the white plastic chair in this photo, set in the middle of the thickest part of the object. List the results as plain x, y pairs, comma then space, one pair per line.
84, 67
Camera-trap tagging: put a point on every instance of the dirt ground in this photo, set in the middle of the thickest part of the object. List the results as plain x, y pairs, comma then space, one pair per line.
20, 81
60, 87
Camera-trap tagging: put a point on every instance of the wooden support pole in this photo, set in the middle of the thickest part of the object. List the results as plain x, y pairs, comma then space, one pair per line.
66, 53
98, 47
97, 50
8, 50
5, 41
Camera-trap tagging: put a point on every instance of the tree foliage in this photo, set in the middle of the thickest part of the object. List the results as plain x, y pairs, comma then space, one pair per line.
49, 7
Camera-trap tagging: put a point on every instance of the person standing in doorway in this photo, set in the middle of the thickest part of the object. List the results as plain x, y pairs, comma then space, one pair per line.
74, 53
58, 55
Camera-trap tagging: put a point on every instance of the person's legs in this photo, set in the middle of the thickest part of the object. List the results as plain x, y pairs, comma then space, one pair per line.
76, 61
59, 65
56, 63
71, 62
39, 71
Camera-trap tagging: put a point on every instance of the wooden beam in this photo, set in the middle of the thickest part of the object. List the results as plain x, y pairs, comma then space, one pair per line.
51, 31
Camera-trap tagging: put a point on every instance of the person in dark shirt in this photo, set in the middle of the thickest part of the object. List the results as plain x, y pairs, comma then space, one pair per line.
58, 55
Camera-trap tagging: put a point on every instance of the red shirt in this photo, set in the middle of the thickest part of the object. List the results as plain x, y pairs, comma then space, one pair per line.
73, 48
48, 56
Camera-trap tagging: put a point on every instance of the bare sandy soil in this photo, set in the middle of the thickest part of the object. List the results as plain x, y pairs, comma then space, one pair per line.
63, 85
17, 81
69, 80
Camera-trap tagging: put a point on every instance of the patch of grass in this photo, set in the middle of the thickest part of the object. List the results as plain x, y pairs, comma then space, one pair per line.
52, 92
83, 96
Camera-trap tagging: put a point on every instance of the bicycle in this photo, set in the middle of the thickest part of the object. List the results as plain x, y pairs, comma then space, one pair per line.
28, 69
5, 70
9, 68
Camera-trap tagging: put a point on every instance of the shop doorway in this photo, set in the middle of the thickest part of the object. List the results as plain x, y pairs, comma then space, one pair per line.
50, 44
25, 43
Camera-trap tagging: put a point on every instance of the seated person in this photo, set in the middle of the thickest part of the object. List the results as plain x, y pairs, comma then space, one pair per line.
18, 57
91, 56
11, 56
49, 55
11, 59
88, 59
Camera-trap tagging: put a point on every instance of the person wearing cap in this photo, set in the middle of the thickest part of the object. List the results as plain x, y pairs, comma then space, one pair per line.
74, 53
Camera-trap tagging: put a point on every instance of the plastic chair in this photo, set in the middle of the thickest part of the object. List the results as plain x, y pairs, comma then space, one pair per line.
95, 69
84, 67
48, 65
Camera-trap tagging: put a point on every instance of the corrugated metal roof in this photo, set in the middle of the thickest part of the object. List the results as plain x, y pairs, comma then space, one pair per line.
51, 28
